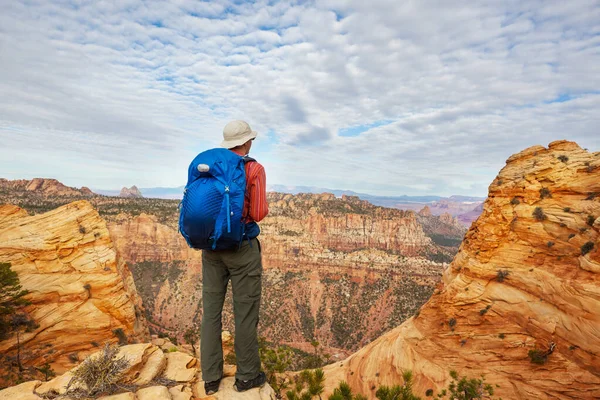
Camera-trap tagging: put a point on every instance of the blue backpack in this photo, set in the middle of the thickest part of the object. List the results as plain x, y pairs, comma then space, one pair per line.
210, 215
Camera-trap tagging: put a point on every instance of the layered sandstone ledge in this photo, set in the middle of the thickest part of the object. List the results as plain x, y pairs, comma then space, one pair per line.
524, 279
81, 291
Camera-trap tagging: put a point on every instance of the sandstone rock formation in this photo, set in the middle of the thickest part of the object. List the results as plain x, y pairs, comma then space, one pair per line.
526, 279
81, 291
42, 186
131, 192
175, 376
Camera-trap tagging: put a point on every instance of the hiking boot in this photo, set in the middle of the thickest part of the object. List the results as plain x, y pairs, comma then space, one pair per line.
242, 386
212, 387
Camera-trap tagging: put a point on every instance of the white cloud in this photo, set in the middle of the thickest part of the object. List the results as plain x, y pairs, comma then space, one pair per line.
129, 87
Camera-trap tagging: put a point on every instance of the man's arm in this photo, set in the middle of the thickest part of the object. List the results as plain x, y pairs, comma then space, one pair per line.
259, 208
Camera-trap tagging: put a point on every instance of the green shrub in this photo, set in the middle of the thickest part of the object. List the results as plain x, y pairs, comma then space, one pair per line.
309, 384
537, 356
452, 323
563, 158
586, 248
468, 389
12, 296
538, 214
545, 193
514, 201
501, 275
567, 209
590, 220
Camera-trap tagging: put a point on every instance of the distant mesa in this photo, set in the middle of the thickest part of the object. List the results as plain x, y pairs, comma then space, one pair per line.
132, 192
45, 187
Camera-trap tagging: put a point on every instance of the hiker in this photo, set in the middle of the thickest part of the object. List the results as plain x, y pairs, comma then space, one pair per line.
230, 250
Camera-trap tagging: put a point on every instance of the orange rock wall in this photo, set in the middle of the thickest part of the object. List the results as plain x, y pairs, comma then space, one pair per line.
478, 323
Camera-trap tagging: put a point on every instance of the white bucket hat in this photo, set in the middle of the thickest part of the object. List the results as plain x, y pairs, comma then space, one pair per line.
236, 133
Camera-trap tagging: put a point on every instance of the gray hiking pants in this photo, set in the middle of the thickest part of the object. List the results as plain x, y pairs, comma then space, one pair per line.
244, 268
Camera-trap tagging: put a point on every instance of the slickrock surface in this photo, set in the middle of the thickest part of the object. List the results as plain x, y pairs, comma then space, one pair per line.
81, 291
545, 297
158, 382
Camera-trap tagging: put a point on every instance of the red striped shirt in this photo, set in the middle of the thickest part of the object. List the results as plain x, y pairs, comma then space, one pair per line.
255, 204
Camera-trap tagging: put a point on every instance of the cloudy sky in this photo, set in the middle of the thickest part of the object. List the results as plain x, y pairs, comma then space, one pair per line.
380, 96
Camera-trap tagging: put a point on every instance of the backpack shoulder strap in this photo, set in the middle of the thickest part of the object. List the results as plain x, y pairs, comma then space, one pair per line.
248, 159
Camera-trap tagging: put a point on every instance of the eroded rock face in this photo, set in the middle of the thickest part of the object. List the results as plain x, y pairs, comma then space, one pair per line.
330, 267
81, 291
527, 277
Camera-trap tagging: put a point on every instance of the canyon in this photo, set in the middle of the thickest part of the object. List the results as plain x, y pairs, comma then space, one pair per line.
338, 271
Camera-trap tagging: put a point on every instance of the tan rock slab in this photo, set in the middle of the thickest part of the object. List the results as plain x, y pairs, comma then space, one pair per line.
181, 367
24, 391
181, 392
120, 396
154, 365
227, 392
154, 393
58, 384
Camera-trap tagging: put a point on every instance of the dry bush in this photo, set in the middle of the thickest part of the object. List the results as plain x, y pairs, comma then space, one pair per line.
98, 374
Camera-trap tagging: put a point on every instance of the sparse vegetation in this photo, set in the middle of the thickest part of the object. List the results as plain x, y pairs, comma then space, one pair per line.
276, 361
537, 356
307, 385
12, 296
467, 389
502, 336
98, 374
550, 243
592, 195
586, 248
484, 311
545, 193
452, 323
590, 220
47, 371
563, 158
515, 201
501, 275
120, 334
567, 209
571, 235
538, 214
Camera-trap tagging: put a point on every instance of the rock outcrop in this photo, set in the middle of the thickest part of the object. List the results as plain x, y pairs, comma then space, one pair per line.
82, 293
151, 374
131, 192
525, 286
43, 186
